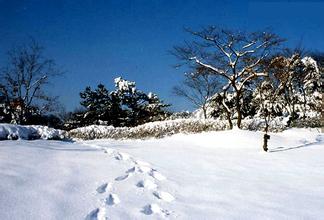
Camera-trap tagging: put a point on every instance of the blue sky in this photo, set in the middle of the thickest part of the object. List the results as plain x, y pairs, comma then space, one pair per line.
96, 41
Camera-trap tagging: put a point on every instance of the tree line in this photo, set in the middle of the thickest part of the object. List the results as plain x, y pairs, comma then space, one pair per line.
229, 74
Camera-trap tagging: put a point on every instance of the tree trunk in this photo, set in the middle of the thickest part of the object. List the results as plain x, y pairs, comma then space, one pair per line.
227, 111
205, 112
228, 116
238, 109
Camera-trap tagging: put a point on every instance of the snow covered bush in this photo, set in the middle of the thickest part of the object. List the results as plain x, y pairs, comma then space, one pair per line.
30, 132
153, 129
278, 124
161, 129
308, 123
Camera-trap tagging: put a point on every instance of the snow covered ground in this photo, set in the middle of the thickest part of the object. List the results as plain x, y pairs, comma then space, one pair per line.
213, 175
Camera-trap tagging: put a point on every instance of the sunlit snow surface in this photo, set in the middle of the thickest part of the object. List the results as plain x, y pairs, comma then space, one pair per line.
214, 175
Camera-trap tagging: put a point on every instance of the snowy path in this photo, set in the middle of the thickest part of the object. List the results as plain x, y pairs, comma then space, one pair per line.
216, 175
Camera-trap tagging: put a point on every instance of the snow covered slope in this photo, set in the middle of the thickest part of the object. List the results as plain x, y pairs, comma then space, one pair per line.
214, 175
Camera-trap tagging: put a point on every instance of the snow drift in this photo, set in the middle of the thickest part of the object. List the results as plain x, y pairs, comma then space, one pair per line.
30, 132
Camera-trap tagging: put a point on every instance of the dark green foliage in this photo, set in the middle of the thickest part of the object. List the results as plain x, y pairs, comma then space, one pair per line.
125, 106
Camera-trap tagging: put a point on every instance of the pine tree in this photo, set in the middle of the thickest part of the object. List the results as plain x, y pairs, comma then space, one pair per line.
125, 106
138, 106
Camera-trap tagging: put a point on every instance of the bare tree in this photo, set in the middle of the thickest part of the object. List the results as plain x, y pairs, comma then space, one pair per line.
198, 89
23, 81
234, 56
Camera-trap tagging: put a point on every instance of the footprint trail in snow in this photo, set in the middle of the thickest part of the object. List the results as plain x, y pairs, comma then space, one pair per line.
150, 181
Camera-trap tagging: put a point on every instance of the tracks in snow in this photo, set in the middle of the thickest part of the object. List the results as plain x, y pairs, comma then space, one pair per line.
150, 179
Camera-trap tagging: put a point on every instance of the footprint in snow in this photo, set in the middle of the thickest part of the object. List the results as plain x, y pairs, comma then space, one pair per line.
156, 175
122, 156
145, 169
104, 187
141, 169
123, 177
112, 199
132, 170
165, 196
108, 151
154, 209
142, 163
148, 184
97, 214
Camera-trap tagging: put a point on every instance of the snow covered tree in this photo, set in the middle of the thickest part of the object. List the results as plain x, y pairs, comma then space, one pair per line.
138, 106
299, 84
235, 56
125, 106
5, 116
290, 89
311, 87
101, 106
319, 58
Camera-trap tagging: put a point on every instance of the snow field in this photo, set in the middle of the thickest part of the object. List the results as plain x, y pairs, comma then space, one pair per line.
211, 175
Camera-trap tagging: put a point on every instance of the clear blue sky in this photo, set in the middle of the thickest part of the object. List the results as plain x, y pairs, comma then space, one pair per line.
96, 41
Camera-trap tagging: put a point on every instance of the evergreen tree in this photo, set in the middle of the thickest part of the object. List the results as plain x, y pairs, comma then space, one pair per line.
125, 106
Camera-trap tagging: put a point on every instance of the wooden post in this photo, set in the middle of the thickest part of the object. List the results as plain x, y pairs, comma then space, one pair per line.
266, 137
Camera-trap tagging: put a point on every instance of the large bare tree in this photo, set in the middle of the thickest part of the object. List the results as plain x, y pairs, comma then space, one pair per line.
23, 81
234, 56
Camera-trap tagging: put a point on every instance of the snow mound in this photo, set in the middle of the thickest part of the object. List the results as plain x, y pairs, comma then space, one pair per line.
30, 132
